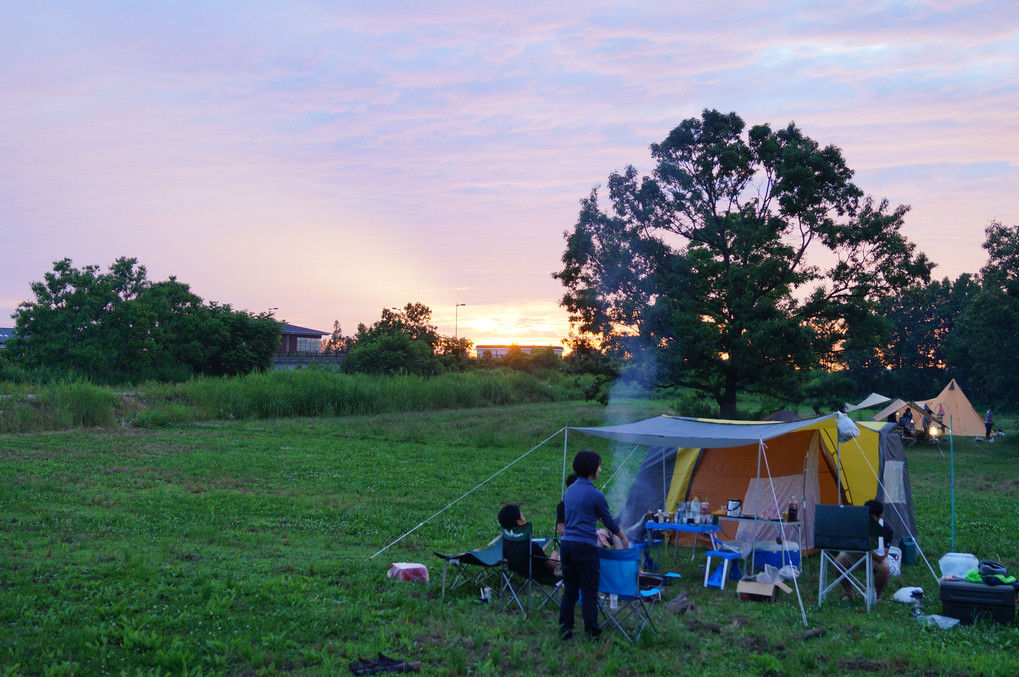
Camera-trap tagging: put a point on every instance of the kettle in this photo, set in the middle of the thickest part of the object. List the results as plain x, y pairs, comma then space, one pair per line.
733, 507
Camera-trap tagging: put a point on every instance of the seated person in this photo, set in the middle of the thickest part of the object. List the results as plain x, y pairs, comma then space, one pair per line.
879, 557
906, 424
510, 516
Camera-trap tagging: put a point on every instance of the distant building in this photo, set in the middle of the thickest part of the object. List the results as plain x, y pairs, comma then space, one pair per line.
500, 351
5, 334
300, 346
300, 341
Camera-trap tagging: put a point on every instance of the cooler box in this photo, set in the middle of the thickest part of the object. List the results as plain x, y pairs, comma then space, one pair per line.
971, 601
408, 571
770, 552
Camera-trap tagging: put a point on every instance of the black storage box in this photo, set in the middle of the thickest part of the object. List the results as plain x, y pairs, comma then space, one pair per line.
971, 601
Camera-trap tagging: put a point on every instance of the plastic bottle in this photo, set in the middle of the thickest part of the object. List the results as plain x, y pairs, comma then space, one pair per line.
695, 508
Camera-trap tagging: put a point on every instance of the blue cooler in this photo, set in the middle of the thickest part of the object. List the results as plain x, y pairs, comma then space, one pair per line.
770, 552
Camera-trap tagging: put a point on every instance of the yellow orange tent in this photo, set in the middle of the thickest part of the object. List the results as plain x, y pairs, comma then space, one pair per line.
953, 403
768, 464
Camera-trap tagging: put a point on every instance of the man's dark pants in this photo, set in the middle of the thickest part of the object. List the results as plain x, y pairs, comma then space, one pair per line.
581, 568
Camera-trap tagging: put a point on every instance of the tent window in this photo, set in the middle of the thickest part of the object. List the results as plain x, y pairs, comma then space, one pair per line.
894, 482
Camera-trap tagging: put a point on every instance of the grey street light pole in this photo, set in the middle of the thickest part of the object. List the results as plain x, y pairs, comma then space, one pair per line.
456, 320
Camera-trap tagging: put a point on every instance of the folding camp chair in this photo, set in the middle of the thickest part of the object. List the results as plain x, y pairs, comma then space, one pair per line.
524, 573
473, 567
622, 600
727, 568
844, 529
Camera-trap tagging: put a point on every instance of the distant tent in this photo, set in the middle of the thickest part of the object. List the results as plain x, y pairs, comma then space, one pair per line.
869, 401
782, 415
898, 407
952, 402
767, 465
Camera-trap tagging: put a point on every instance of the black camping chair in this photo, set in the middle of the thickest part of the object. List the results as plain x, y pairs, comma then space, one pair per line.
475, 567
525, 573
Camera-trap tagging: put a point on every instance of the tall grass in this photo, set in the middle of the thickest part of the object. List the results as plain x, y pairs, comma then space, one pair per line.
276, 394
71, 404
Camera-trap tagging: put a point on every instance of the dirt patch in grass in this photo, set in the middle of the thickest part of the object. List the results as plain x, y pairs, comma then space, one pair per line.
756, 644
861, 665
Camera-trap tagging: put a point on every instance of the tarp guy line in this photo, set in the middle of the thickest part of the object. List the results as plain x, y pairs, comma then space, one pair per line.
774, 498
484, 482
616, 472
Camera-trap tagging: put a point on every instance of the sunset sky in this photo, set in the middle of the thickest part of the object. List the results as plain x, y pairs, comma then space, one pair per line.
334, 158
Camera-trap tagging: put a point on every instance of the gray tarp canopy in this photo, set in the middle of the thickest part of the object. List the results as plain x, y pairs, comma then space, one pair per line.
674, 431
871, 400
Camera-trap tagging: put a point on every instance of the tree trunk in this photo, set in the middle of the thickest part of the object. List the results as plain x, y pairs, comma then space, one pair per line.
727, 404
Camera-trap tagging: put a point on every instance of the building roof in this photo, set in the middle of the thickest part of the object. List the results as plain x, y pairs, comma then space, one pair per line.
294, 329
6, 333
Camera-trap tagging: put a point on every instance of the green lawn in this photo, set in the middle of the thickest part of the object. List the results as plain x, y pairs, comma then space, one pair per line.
244, 547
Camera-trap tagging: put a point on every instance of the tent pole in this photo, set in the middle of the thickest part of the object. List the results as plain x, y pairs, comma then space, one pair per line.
757, 490
665, 484
566, 443
757, 503
762, 451
951, 453
838, 468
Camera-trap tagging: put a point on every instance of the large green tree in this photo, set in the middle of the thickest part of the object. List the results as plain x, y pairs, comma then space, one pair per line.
985, 340
401, 341
117, 326
743, 257
915, 362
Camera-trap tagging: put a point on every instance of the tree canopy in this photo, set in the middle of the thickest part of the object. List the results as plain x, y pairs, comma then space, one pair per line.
117, 326
986, 336
401, 341
740, 261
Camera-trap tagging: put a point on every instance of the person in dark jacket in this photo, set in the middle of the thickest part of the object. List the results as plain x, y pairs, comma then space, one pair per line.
585, 505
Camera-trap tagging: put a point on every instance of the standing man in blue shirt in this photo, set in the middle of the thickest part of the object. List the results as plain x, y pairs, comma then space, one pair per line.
584, 506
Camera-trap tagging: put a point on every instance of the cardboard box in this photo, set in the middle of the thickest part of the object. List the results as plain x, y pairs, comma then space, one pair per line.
750, 590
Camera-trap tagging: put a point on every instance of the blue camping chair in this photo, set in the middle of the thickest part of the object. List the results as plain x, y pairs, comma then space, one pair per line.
727, 568
622, 600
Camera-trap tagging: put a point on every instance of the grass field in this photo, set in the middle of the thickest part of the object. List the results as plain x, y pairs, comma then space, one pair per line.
243, 547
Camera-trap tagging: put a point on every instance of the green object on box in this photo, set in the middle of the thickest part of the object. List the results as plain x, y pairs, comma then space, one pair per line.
908, 546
